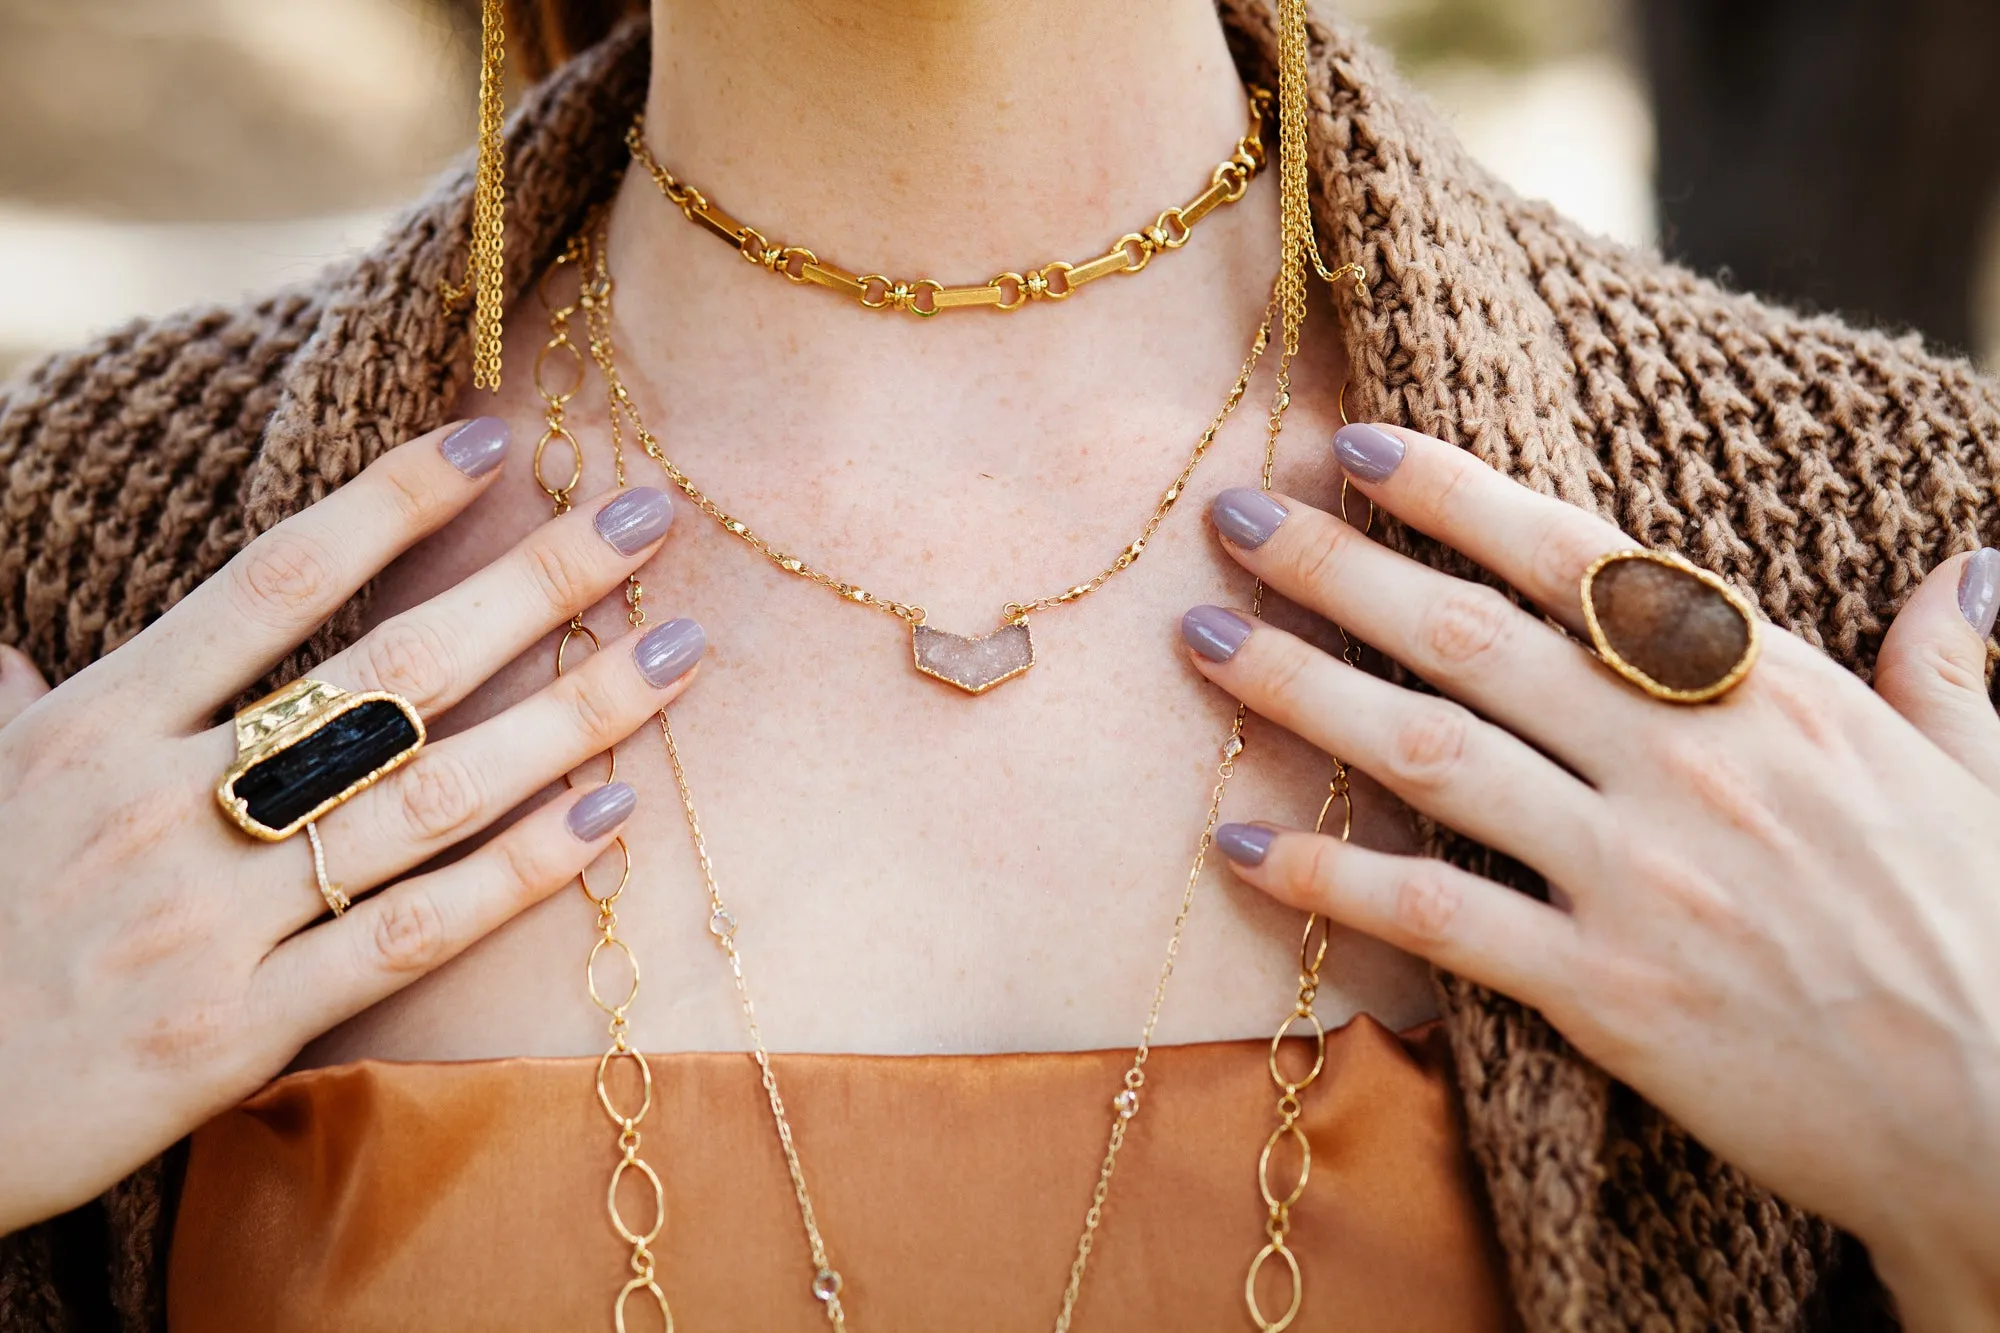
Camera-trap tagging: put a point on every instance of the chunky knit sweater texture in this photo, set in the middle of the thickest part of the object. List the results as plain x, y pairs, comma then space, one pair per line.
1821, 469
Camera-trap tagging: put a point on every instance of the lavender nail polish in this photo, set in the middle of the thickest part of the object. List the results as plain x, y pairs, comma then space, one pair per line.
665, 654
477, 447
601, 810
1245, 844
636, 519
1367, 453
1246, 517
1979, 590
1214, 633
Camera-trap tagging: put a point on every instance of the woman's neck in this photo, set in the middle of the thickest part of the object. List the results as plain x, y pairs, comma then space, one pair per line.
941, 135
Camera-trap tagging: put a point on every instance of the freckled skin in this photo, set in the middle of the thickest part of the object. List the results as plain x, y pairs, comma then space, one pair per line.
916, 870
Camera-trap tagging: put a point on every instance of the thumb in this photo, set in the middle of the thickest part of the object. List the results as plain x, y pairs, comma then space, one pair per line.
1932, 668
20, 683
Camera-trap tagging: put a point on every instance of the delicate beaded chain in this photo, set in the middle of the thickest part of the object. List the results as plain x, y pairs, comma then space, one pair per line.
1009, 291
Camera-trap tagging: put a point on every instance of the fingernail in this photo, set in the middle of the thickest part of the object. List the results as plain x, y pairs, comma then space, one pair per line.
1214, 633
1245, 844
1979, 590
477, 447
1367, 452
636, 519
601, 811
665, 654
1246, 517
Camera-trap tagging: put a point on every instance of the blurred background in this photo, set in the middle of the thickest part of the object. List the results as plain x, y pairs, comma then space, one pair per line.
1839, 155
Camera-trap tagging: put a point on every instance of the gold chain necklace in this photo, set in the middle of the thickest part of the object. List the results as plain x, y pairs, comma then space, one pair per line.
1009, 291
974, 664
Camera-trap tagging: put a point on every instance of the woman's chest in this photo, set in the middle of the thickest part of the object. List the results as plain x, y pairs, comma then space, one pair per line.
909, 868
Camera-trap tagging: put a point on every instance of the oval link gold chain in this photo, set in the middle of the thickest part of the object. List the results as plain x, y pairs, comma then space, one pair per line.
559, 489
1007, 292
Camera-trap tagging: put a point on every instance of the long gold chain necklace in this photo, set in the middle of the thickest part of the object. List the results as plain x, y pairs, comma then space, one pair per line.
1010, 291
974, 664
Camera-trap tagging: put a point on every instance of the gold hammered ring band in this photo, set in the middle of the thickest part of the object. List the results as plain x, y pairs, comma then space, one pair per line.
306, 748
1675, 630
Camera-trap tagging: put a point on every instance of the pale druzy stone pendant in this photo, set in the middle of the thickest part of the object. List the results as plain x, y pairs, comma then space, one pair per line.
974, 665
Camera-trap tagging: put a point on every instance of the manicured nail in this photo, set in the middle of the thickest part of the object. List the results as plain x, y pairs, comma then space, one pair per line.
665, 654
477, 447
1979, 589
601, 811
1245, 844
636, 519
1246, 517
1367, 452
1214, 633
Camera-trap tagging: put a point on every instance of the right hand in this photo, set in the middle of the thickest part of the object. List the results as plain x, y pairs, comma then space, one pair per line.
156, 964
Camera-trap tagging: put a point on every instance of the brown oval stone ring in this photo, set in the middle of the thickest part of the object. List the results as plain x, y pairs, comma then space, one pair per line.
1672, 628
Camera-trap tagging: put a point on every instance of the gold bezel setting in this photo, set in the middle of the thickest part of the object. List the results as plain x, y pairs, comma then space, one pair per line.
1612, 658
283, 719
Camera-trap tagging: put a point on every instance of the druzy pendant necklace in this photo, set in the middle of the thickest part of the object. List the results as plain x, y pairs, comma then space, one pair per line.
973, 663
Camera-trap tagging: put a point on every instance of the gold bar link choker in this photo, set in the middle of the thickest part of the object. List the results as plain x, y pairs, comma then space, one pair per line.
1009, 291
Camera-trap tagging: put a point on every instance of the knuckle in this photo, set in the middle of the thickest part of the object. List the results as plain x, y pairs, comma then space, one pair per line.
1438, 502
1564, 546
1426, 903
184, 923
524, 869
595, 714
279, 576
1283, 679
191, 1035
408, 933
411, 501
406, 656
1466, 627
1315, 559
1728, 793
437, 796
138, 824
560, 573
1322, 866
1428, 745
1929, 671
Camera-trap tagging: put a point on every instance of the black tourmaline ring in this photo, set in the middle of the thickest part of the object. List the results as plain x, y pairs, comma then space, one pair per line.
308, 747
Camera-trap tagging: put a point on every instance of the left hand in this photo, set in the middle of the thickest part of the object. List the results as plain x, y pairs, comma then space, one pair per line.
1776, 916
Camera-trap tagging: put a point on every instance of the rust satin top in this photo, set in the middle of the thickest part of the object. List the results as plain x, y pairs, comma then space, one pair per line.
950, 1189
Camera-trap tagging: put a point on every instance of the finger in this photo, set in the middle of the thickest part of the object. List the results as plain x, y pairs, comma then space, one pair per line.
1539, 545
1932, 667
1431, 752
1464, 638
337, 969
1464, 924
435, 654
458, 787
230, 631
21, 683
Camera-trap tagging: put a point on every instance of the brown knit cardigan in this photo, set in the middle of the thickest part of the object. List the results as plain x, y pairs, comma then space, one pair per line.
1820, 468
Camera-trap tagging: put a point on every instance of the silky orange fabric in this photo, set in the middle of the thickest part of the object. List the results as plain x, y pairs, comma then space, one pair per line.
950, 1190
